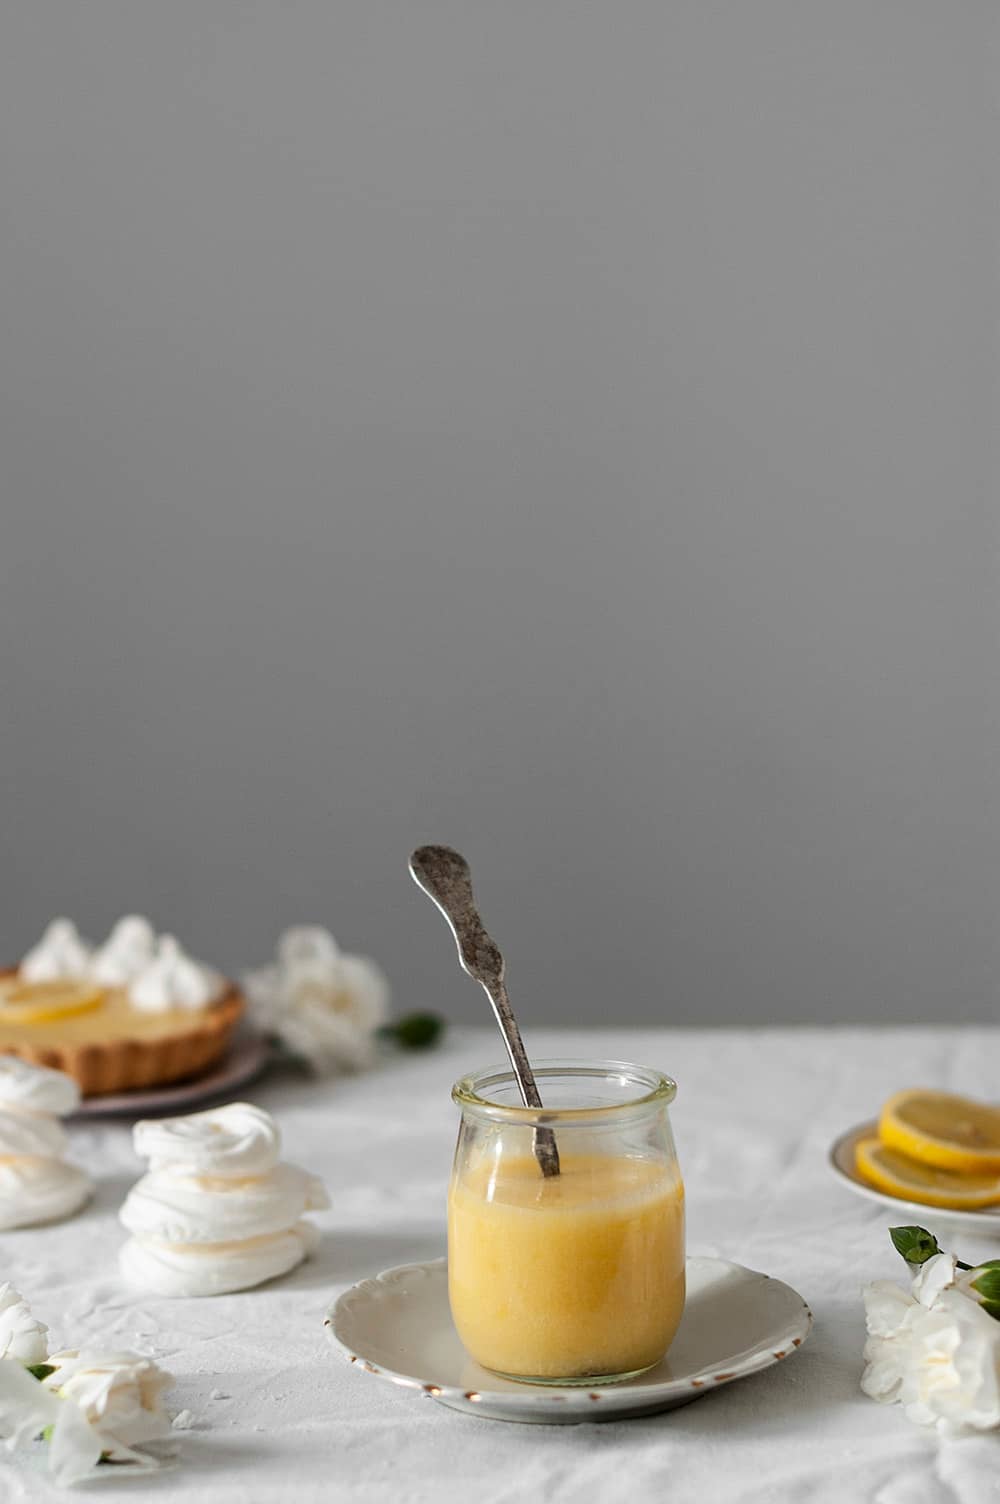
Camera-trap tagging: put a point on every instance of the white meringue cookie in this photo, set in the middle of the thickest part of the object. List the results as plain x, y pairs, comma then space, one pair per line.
232, 1141
216, 1212
169, 1208
126, 952
172, 979
36, 1088
214, 1268
35, 1184
60, 955
30, 1133
40, 1190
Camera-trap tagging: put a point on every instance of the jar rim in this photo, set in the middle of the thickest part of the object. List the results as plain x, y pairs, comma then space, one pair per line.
656, 1089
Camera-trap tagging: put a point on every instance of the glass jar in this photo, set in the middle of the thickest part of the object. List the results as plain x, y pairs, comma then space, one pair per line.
575, 1278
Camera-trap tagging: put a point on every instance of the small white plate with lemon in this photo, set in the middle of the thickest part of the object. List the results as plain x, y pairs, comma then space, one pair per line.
930, 1154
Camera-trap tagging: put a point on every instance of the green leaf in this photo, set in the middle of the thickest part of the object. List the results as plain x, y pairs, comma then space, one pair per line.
40, 1370
916, 1244
988, 1284
416, 1031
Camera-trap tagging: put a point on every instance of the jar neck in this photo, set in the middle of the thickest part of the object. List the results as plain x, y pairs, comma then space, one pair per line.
575, 1093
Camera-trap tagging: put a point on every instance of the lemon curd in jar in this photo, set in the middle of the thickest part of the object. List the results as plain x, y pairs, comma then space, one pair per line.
571, 1278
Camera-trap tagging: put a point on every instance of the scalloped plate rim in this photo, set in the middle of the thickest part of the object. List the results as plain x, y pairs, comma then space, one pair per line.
572, 1404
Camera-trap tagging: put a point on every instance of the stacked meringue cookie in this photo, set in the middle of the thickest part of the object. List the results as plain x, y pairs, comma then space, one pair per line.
36, 1184
218, 1211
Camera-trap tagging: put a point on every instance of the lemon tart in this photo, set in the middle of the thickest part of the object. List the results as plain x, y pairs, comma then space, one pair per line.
138, 1012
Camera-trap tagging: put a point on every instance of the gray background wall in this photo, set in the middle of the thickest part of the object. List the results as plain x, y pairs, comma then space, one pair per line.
562, 429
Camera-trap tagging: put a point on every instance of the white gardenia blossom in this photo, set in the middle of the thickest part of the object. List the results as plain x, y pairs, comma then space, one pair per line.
953, 1379
121, 1395
326, 1006
307, 943
97, 1404
22, 1338
933, 1349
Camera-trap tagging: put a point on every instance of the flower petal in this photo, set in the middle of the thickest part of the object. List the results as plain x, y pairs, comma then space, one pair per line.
886, 1307
884, 1367
307, 942
325, 1006
369, 988
934, 1277
75, 1447
26, 1407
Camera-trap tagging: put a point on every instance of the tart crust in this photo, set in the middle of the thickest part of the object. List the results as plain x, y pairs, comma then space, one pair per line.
117, 1064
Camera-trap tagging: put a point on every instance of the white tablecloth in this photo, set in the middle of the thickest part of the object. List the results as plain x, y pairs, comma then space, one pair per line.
293, 1421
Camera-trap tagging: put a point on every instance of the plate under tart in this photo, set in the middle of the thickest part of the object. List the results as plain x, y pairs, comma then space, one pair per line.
981, 1223
120, 1062
736, 1322
245, 1059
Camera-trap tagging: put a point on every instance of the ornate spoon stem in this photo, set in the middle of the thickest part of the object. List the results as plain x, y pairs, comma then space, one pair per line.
445, 877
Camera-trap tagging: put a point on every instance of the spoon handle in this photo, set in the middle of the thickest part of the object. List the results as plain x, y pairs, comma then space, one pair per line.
444, 876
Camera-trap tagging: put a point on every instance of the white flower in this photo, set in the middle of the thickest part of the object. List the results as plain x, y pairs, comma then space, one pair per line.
325, 1006
120, 1394
26, 1406
952, 1380
97, 1404
307, 943
21, 1336
933, 1349
889, 1312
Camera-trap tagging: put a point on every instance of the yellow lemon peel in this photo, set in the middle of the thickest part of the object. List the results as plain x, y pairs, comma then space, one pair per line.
940, 1129
40, 1002
909, 1180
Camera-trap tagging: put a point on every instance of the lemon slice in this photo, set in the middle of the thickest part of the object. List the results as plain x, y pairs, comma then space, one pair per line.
911, 1181
939, 1129
41, 1002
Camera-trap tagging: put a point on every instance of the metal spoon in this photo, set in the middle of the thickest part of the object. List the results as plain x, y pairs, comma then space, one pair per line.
445, 877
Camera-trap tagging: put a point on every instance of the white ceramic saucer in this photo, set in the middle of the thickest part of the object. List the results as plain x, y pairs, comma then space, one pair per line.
399, 1327
977, 1224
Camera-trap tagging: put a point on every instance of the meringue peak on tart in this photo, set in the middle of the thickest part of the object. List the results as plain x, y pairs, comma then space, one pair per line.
136, 1011
126, 952
60, 955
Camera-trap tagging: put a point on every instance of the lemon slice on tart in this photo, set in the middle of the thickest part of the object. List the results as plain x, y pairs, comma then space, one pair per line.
945, 1131
136, 1012
43, 1002
909, 1180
